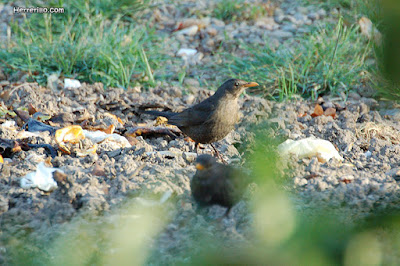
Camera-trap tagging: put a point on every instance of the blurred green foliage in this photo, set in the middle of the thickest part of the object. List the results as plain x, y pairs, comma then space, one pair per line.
391, 51
119, 237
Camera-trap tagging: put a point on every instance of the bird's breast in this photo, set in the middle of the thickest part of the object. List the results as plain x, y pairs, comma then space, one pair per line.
220, 123
224, 119
227, 114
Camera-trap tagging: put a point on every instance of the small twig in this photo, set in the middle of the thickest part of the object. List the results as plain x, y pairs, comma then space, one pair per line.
145, 130
153, 105
22, 85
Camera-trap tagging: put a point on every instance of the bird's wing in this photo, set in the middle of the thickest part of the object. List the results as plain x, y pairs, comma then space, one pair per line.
236, 180
195, 115
240, 180
223, 189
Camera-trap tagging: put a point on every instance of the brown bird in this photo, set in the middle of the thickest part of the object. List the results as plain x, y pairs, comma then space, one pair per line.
216, 183
212, 119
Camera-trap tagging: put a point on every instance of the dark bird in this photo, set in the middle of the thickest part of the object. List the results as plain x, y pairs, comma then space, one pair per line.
212, 119
216, 183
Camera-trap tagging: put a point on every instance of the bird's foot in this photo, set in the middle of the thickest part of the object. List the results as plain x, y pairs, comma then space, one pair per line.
226, 215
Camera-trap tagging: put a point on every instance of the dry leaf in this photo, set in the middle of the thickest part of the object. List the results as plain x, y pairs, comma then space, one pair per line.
110, 129
188, 139
330, 112
318, 111
62, 118
32, 109
23, 115
48, 162
83, 153
302, 115
40, 116
160, 120
98, 170
114, 117
59, 177
5, 95
70, 134
9, 146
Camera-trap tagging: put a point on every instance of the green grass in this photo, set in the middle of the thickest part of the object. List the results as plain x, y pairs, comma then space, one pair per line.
237, 10
385, 17
96, 41
331, 59
352, 10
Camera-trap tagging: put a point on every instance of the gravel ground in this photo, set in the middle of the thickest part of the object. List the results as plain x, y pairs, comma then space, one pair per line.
282, 22
155, 169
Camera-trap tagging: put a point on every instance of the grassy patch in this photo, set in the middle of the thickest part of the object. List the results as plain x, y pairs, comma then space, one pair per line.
352, 10
385, 17
333, 58
237, 10
94, 42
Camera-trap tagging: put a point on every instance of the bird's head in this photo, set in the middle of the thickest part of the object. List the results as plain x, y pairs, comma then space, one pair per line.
235, 87
204, 162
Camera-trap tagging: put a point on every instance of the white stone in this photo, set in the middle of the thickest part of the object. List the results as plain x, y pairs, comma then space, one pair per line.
186, 52
189, 31
71, 84
42, 178
309, 147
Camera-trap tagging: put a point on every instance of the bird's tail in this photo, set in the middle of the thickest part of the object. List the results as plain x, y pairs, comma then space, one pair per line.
159, 113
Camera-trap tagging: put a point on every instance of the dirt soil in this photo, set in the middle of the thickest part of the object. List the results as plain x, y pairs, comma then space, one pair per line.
154, 170
158, 166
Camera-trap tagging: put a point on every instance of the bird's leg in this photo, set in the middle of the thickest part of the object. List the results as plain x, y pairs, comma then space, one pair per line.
218, 154
228, 211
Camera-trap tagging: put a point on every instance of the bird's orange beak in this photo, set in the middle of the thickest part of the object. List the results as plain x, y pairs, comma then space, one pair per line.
199, 166
251, 84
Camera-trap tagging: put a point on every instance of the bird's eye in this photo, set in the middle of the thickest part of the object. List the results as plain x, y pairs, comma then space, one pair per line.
236, 84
